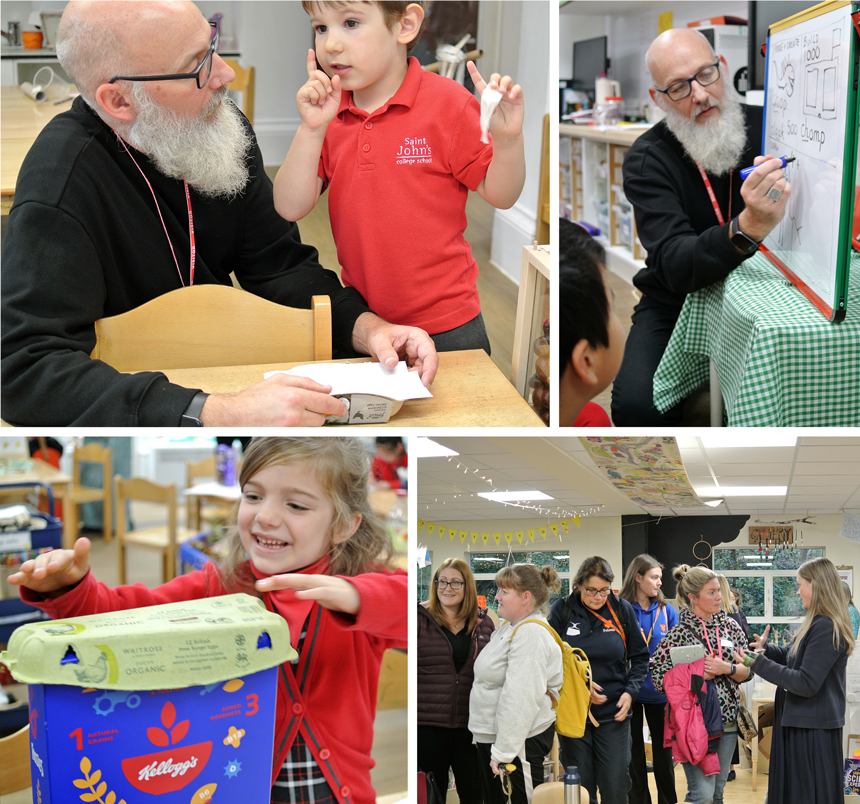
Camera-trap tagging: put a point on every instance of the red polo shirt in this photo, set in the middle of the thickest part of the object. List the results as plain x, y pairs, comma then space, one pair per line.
398, 180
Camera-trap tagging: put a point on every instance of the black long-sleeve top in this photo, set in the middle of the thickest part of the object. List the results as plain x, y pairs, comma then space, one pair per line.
687, 247
84, 241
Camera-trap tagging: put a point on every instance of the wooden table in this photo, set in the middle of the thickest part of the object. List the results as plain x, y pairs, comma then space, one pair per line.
21, 120
469, 391
60, 483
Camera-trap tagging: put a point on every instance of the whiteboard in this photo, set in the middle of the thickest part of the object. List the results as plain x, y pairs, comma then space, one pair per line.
811, 114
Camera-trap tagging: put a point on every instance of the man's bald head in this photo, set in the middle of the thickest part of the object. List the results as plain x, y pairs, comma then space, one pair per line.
673, 49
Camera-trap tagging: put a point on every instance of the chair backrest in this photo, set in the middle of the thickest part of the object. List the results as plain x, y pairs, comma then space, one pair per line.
15, 750
92, 453
143, 490
200, 469
213, 325
244, 83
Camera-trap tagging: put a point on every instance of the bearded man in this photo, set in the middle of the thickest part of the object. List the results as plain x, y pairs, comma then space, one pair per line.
695, 216
152, 181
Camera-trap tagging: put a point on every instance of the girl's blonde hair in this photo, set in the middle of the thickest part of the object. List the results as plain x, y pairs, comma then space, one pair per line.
725, 594
469, 603
640, 565
528, 578
828, 599
342, 467
690, 581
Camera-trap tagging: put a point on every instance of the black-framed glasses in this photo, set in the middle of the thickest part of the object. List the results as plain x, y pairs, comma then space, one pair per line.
597, 592
455, 585
682, 89
200, 73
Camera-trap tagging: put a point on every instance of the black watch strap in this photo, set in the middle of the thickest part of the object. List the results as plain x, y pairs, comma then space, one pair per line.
191, 415
743, 241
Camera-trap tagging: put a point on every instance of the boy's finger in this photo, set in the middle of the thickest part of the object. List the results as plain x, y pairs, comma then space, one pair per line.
312, 62
476, 76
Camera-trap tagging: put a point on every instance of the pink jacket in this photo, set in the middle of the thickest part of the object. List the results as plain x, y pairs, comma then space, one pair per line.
685, 731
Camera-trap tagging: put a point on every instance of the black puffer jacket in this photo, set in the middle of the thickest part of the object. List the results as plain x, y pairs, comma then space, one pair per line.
443, 695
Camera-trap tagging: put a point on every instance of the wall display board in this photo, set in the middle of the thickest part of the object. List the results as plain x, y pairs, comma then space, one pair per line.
811, 114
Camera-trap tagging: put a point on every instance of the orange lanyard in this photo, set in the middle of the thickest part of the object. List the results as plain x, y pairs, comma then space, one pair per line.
713, 198
616, 626
653, 623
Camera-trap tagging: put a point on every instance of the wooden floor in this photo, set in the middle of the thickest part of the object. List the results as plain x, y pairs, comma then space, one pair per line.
498, 293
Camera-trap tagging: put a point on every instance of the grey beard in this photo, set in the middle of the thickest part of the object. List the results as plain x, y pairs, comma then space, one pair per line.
717, 145
208, 152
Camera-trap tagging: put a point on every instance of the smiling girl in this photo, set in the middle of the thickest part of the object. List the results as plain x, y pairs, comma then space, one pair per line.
307, 543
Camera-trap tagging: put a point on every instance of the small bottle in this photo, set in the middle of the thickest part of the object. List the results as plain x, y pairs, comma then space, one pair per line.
229, 466
572, 785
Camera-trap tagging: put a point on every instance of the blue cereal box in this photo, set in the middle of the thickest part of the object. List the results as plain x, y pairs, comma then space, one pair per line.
165, 704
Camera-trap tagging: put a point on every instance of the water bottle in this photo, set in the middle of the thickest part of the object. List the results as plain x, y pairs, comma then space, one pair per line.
572, 785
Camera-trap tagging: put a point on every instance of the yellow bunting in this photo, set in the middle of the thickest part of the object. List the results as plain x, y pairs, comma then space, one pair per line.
421, 524
497, 537
542, 532
531, 534
431, 526
554, 529
474, 536
442, 531
576, 521
520, 536
463, 535
664, 21
565, 524
485, 537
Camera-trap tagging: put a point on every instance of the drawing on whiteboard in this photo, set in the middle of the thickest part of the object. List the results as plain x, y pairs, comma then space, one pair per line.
789, 228
785, 77
822, 65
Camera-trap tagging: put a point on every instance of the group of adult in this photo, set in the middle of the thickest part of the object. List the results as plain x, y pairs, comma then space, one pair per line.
485, 698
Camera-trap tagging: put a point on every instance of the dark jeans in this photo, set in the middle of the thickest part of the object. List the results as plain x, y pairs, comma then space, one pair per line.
536, 749
439, 749
471, 335
633, 388
664, 765
602, 756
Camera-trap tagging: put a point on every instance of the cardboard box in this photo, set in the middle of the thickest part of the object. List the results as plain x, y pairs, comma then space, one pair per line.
173, 702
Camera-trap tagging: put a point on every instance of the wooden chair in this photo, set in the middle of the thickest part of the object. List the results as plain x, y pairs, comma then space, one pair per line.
198, 509
244, 83
542, 229
15, 750
213, 325
165, 538
78, 493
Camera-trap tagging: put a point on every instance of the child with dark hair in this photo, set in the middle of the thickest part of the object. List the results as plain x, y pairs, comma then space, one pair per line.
591, 337
390, 456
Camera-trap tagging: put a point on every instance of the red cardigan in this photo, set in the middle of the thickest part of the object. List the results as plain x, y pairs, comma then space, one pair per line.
330, 696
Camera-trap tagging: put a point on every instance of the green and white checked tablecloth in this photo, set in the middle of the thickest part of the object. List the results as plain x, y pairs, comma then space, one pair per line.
779, 361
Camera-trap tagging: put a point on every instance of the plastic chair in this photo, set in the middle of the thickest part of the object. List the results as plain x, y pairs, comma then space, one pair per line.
164, 538
15, 750
244, 83
213, 325
78, 494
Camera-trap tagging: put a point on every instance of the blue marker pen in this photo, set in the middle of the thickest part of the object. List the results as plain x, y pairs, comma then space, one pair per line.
785, 160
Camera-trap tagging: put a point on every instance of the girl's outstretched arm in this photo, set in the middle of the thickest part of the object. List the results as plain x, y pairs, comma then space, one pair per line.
332, 592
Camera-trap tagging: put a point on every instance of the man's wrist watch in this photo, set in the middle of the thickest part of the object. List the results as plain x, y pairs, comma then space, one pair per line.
742, 241
191, 415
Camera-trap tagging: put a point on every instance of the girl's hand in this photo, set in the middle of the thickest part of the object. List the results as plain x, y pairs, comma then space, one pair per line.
623, 706
319, 99
495, 766
596, 698
332, 593
507, 120
759, 642
53, 573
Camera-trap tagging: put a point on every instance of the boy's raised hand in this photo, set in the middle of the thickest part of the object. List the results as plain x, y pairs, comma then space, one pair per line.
54, 572
507, 120
331, 592
319, 99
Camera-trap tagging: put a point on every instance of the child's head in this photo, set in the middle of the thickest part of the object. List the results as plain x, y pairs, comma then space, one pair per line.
392, 12
591, 337
302, 499
390, 448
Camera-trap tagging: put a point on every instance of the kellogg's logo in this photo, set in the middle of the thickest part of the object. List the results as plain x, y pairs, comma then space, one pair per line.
170, 770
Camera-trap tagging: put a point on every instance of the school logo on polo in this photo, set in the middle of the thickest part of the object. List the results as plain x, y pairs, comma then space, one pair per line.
413, 151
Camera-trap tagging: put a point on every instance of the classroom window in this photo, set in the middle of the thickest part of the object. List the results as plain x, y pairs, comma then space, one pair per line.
425, 578
768, 593
484, 566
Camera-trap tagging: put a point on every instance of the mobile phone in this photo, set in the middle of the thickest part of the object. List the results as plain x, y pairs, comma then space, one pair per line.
687, 653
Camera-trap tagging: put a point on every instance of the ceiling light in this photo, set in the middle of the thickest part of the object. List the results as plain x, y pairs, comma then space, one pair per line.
743, 439
743, 491
514, 496
714, 503
423, 447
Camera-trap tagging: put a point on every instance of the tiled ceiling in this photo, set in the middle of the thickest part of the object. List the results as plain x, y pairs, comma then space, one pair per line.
822, 475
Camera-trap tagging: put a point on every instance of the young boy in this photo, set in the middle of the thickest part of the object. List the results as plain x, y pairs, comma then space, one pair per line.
591, 337
399, 149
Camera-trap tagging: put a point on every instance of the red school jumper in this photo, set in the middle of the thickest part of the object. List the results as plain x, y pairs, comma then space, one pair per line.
330, 696
399, 178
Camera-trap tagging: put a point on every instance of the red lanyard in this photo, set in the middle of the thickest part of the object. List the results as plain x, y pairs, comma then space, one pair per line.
719, 644
616, 626
710, 190
653, 623
164, 226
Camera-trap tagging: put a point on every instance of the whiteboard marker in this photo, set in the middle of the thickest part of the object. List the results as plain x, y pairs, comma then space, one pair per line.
784, 159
